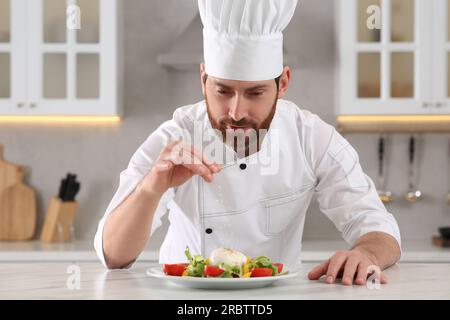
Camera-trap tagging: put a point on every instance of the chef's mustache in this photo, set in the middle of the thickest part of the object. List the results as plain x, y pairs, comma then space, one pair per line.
241, 123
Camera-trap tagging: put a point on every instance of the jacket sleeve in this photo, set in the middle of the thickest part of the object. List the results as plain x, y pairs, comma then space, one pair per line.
140, 164
346, 195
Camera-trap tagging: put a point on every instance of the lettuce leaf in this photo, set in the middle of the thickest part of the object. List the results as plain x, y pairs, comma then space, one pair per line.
196, 267
264, 262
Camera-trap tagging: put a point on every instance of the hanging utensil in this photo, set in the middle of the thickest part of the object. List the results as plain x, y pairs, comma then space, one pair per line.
413, 194
385, 196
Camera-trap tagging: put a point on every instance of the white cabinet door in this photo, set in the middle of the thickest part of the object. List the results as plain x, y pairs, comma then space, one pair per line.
70, 71
441, 57
385, 69
12, 57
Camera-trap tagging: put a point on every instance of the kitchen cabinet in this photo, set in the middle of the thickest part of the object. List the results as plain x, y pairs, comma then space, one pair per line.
441, 56
48, 67
394, 62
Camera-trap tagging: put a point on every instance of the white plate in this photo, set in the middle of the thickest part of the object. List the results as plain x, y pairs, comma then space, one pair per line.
219, 283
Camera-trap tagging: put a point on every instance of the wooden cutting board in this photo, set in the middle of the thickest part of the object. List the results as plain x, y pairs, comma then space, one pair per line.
8, 172
17, 212
17, 203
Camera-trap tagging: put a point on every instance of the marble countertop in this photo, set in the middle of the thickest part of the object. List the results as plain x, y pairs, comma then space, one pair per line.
49, 280
312, 251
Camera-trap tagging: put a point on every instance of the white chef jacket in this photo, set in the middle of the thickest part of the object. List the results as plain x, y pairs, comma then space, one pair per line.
259, 214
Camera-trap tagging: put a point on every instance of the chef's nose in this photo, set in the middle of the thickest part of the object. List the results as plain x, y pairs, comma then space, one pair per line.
237, 110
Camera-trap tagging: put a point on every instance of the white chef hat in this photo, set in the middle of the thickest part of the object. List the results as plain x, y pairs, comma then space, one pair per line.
242, 39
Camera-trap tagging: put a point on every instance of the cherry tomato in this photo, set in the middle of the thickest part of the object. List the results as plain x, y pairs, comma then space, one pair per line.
175, 269
213, 271
279, 266
261, 272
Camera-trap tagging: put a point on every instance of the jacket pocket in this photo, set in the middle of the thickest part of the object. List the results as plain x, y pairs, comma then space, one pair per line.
282, 211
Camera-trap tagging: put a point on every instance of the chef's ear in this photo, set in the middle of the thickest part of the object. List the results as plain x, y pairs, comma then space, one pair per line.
203, 77
284, 82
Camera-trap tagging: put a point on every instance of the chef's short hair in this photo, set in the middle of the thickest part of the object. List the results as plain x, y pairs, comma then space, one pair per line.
277, 80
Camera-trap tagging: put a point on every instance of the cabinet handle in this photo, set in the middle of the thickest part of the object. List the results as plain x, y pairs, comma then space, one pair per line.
33, 105
439, 104
20, 105
426, 104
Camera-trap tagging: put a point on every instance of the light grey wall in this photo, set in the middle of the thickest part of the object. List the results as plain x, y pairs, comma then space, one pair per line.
99, 153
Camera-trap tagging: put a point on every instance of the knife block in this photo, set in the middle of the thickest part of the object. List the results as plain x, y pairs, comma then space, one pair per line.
59, 220
441, 242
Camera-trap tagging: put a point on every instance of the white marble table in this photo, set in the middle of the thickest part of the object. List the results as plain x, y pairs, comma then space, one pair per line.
48, 280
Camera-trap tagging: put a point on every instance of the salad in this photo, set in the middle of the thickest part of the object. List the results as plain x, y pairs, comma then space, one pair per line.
224, 263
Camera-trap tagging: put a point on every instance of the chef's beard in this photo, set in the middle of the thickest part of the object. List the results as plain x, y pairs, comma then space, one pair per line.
260, 130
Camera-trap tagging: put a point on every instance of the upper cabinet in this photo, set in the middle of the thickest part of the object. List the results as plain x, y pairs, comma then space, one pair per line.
441, 55
394, 58
60, 57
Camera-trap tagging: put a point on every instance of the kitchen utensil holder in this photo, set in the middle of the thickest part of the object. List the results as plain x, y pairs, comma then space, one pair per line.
58, 224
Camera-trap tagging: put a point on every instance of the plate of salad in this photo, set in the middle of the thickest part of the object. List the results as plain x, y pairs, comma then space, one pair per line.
224, 269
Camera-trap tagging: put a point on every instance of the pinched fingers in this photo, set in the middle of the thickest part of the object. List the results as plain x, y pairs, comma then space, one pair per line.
180, 154
212, 165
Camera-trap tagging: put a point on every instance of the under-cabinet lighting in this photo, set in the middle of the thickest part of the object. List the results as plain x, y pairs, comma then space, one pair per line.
61, 119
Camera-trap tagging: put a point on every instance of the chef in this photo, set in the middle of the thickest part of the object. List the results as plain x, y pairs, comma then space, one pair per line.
252, 192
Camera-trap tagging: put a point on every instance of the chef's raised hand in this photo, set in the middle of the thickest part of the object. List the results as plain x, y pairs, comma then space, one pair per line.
353, 266
176, 164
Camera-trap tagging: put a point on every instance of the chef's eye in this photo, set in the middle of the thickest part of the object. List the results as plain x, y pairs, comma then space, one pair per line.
256, 93
223, 92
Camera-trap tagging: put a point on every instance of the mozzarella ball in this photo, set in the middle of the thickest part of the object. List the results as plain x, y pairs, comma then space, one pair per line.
227, 256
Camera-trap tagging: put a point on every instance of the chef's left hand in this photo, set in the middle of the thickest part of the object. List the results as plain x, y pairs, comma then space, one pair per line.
347, 264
